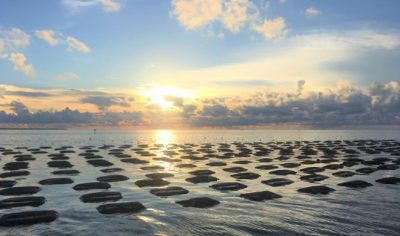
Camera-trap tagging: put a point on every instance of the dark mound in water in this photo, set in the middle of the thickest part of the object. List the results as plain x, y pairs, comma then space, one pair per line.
134, 161
169, 191
186, 166
99, 162
243, 162
65, 172
25, 158
333, 166
235, 169
260, 196
320, 189
355, 184
7, 183
112, 178
366, 170
200, 202
16, 165
111, 170
201, 179
22, 190
265, 160
91, 185
389, 180
290, 165
151, 182
388, 167
60, 158
312, 170
159, 175
267, 167
122, 207
101, 197
343, 174
21, 201
245, 175
28, 218
14, 174
54, 181
59, 164
277, 182
216, 163
283, 172
202, 172
228, 186
313, 178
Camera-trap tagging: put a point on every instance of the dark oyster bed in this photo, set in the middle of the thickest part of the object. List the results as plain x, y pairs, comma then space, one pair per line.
46, 185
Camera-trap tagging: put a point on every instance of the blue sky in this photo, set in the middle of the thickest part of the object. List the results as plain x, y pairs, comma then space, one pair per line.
127, 46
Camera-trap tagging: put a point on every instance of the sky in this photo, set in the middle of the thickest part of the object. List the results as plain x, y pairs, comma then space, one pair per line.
199, 63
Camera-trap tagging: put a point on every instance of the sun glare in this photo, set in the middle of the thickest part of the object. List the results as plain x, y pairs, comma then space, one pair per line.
166, 97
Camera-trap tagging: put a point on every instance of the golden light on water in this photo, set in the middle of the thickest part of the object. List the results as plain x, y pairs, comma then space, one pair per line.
164, 137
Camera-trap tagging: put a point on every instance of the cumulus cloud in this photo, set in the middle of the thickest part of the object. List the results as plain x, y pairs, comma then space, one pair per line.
379, 104
271, 29
54, 38
12, 40
196, 13
312, 11
19, 61
103, 102
237, 13
300, 86
48, 36
21, 115
232, 15
107, 5
75, 44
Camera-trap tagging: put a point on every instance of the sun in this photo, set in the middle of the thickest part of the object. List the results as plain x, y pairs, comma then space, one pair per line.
164, 96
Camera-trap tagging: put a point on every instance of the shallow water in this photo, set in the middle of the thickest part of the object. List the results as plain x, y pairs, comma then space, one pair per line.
369, 211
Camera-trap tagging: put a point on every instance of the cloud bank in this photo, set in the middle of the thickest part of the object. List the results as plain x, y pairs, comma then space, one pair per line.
343, 105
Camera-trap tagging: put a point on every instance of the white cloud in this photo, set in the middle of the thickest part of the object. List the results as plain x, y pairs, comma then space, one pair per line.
14, 39
271, 29
54, 38
110, 5
66, 76
107, 5
77, 45
369, 38
311, 57
19, 61
233, 15
312, 11
236, 14
193, 14
49, 36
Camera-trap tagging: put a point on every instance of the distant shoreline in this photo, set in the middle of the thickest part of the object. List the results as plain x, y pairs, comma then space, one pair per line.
33, 129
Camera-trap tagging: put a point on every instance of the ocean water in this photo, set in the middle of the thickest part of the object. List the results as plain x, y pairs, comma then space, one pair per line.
374, 210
